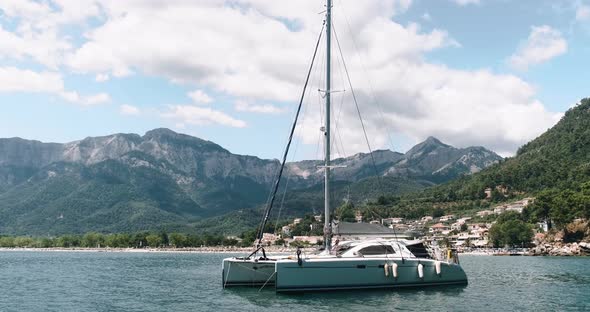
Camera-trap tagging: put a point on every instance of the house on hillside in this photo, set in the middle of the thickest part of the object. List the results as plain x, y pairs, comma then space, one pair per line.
439, 228
484, 213
446, 218
426, 219
313, 240
286, 230
388, 221
358, 216
269, 239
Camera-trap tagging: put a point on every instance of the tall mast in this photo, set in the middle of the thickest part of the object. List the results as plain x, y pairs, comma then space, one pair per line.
327, 221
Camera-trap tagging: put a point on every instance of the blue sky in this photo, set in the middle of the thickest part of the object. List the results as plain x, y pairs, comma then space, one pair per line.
495, 73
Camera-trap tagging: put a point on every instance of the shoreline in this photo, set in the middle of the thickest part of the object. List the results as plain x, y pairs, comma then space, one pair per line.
152, 250
226, 250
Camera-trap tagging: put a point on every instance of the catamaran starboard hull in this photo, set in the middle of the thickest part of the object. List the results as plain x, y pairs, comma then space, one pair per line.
342, 274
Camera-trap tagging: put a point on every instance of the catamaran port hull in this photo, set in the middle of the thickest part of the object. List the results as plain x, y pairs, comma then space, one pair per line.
342, 274
247, 272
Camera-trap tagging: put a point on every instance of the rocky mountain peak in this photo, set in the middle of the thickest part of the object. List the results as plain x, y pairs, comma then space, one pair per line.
427, 146
167, 136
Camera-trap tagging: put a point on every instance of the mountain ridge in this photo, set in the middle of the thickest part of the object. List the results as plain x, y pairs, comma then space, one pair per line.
118, 178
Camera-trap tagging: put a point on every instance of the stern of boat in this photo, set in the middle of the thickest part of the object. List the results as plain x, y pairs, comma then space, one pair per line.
247, 272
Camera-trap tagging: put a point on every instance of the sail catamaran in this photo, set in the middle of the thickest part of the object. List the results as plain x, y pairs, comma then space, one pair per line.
346, 265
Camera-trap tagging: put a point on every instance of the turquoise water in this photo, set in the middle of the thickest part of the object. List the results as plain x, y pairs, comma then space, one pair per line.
100, 281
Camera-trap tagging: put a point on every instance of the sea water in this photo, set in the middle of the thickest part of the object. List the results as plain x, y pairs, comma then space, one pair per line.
120, 281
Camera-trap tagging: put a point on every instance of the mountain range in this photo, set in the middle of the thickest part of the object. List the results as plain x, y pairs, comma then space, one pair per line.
128, 182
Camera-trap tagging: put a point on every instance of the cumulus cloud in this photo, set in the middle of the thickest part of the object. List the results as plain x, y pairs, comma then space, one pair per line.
88, 100
543, 44
260, 54
129, 110
13, 79
199, 96
243, 106
462, 108
199, 116
466, 2
102, 78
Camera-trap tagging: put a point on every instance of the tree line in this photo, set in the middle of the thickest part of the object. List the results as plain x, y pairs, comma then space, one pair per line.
119, 240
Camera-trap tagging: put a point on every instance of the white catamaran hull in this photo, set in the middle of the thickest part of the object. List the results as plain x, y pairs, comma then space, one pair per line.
239, 272
320, 274
331, 274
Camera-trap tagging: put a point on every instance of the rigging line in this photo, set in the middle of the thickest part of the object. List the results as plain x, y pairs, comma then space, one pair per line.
269, 208
360, 116
356, 103
340, 110
381, 111
304, 117
314, 77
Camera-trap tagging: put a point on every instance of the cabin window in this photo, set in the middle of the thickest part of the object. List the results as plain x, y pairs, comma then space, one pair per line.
376, 250
419, 250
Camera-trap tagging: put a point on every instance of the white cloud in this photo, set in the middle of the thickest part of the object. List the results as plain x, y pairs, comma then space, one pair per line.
543, 44
102, 77
254, 54
243, 106
193, 115
462, 108
46, 47
13, 79
38, 33
89, 100
199, 96
260, 54
426, 16
130, 110
583, 13
466, 2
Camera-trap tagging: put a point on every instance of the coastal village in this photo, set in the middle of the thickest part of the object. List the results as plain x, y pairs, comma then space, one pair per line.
457, 231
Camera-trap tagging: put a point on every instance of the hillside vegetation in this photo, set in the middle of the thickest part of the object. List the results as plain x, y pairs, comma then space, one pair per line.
555, 168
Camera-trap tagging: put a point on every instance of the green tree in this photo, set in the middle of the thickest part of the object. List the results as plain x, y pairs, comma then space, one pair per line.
23, 241
346, 213
510, 230
154, 240
7, 241
67, 241
92, 240
177, 240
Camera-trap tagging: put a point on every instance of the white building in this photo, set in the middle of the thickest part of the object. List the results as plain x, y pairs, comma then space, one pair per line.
269, 239
426, 218
484, 213
447, 218
286, 230
389, 221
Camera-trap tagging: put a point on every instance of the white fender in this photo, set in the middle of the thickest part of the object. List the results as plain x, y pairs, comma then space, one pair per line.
420, 270
386, 269
437, 267
394, 269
